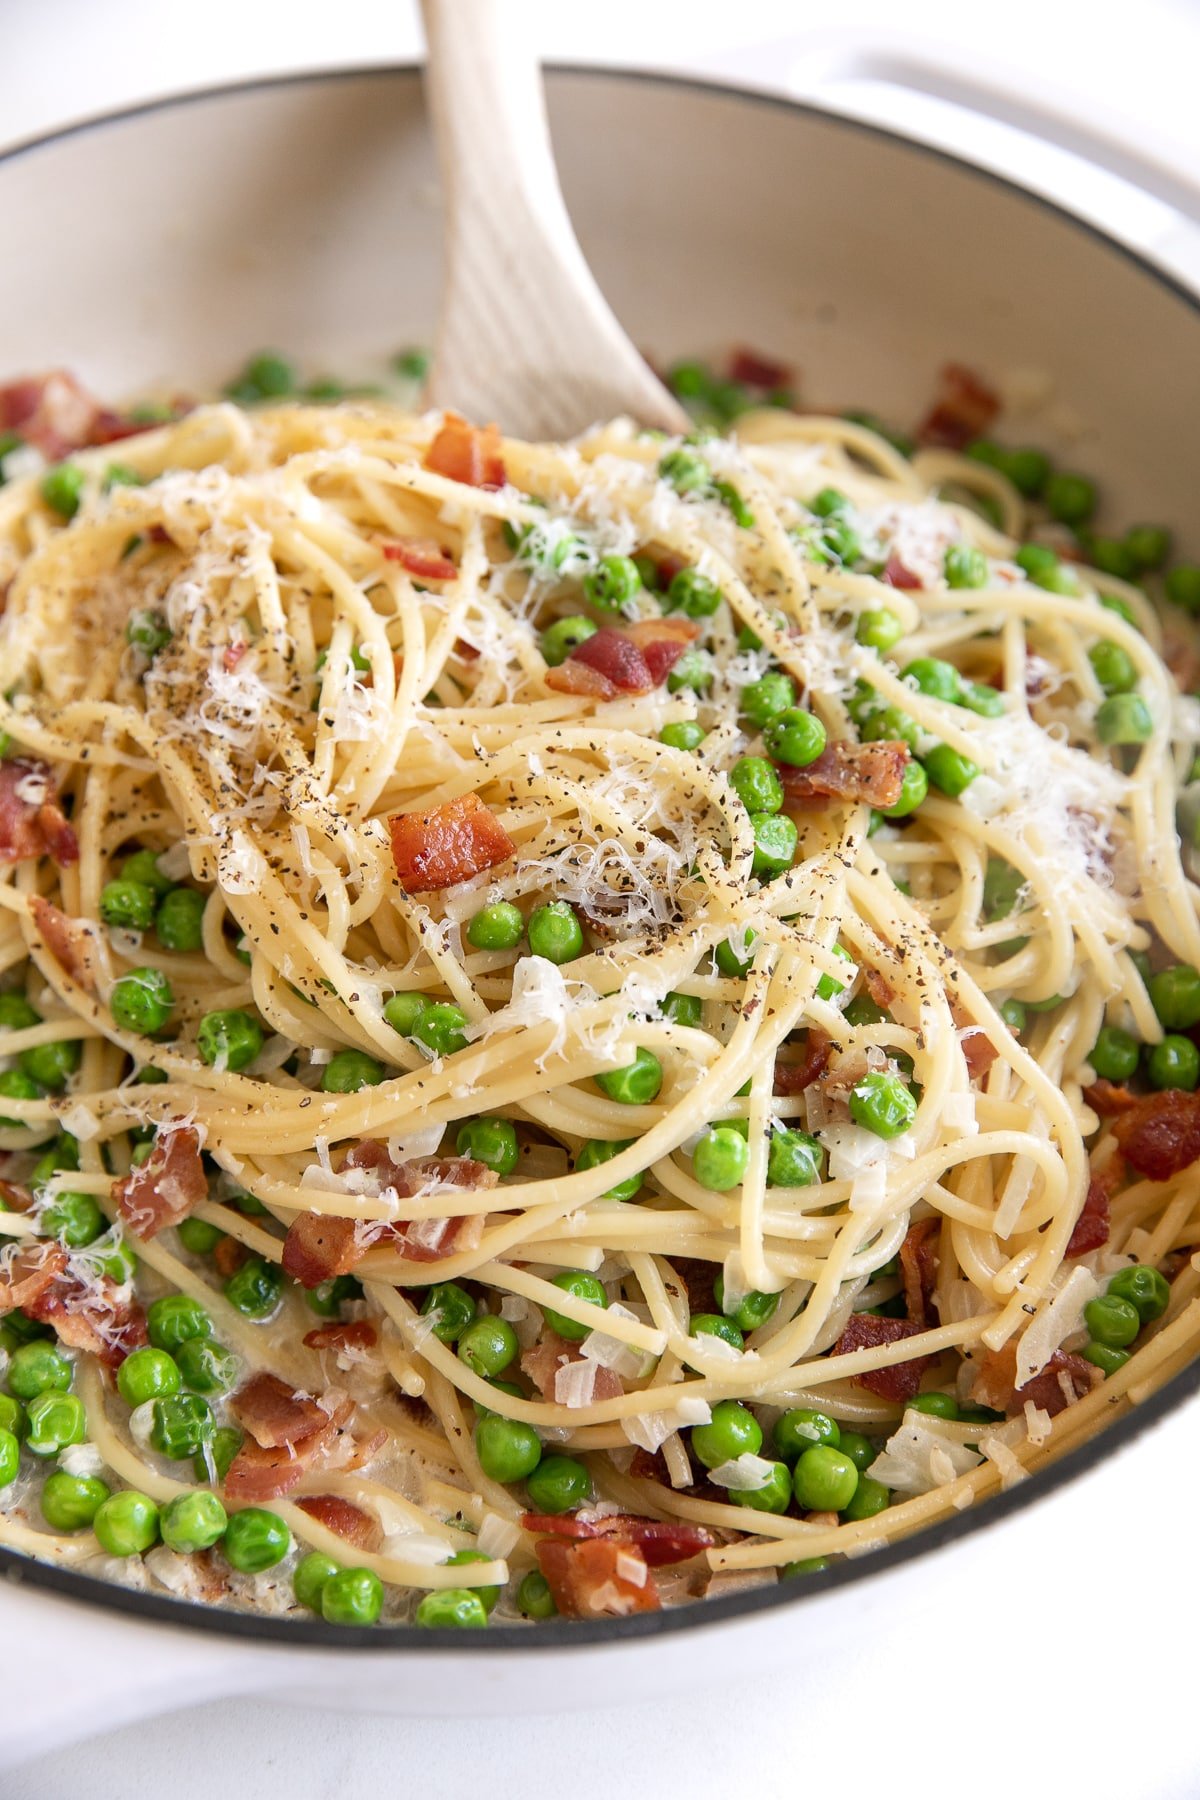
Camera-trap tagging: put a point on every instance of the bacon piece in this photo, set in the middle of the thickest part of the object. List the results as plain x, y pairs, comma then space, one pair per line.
344, 1518
979, 1053
650, 1465
597, 1578
897, 574
1109, 1098
319, 1246
69, 941
661, 1541
274, 1414
1065, 1379
423, 557
899, 1381
54, 412
793, 1078
624, 659
661, 642
1160, 1133
266, 1471
871, 772
31, 821
918, 1267
15, 1197
698, 1277
167, 1185
228, 1256
93, 1315
28, 1272
1092, 1225
450, 844
355, 1334
755, 370
232, 655
879, 987
463, 452
573, 677
543, 1360
963, 408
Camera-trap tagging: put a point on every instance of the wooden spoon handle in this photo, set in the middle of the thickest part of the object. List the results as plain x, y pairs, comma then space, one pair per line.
525, 335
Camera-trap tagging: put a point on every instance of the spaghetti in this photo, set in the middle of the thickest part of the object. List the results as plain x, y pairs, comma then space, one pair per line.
633, 933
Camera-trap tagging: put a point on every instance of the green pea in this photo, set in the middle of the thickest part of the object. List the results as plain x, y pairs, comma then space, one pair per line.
825, 1480
794, 1159
450, 1307
564, 636
1044, 570
55, 1420
61, 487
555, 932
757, 786
52, 1065
694, 671
1114, 1055
38, 1368
1148, 545
175, 1318
774, 1496
800, 1428
1112, 1321
311, 1574
143, 867
1113, 667
870, 1497
192, 1522
601, 1150
828, 503
684, 734
637, 1084
683, 1009
1182, 586
986, 701
859, 1449
883, 1104
685, 471
1112, 556
179, 921
694, 594
507, 1449
229, 1039
327, 1297
720, 1159
457, 1608
827, 987
732, 1431
441, 1027
273, 375
914, 787
142, 1001
127, 904
15, 1084
764, 699
147, 632
583, 1286
487, 1345
775, 839
10, 1457
255, 1289
1175, 1063
728, 962
534, 1598
716, 1325
1071, 498
1013, 1014
350, 1070
199, 1237
937, 1406
1105, 1357
205, 1367
496, 927
126, 1523
180, 1424
114, 1258
1143, 1288
402, 1012
940, 680
214, 1457
1002, 888
16, 1014
74, 1219
795, 737
1175, 996
949, 771
751, 1311
557, 1484
256, 1539
965, 567
808, 1565
648, 572
12, 1416
352, 1597
71, 1502
878, 629
878, 723
1124, 719
613, 582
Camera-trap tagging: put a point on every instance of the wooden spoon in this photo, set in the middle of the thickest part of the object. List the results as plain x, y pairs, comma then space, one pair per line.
525, 336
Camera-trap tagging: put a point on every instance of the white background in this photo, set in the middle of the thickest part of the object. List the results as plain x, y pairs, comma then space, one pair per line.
65, 59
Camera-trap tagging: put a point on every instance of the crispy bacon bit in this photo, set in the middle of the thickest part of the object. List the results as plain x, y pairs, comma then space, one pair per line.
650, 1465
273, 1414
1109, 1098
918, 1266
28, 1272
964, 407
344, 1518
266, 1471
661, 1541
845, 771
699, 1278
597, 1578
15, 1197
69, 941
754, 370
167, 1185
793, 1078
1160, 1133
228, 1256
899, 1381
543, 1360
1064, 1380
32, 823
897, 574
452, 843
57, 414
233, 655
319, 1246
979, 1052
423, 557
355, 1334
667, 568
1092, 1225
96, 1316
463, 452
631, 659
879, 987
